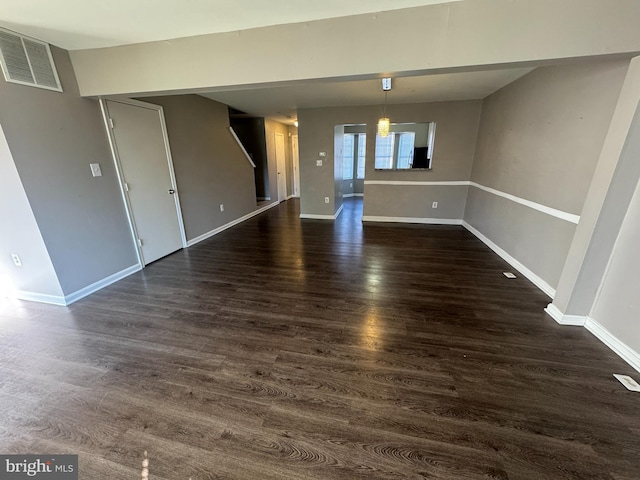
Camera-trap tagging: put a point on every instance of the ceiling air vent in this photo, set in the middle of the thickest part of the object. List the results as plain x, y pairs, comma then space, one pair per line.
27, 61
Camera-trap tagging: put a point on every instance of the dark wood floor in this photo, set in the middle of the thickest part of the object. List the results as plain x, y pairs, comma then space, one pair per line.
289, 349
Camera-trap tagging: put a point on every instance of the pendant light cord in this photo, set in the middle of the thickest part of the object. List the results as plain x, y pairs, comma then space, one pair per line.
384, 107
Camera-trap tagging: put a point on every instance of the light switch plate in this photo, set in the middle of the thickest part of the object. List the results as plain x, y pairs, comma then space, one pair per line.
628, 382
322, 154
95, 169
319, 163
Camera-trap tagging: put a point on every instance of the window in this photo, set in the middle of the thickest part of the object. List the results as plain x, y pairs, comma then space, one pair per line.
362, 153
384, 151
405, 149
347, 156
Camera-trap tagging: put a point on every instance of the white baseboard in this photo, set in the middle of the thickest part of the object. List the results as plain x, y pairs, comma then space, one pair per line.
40, 297
313, 216
317, 217
533, 278
290, 197
555, 313
261, 199
426, 221
625, 352
77, 295
222, 228
100, 284
348, 195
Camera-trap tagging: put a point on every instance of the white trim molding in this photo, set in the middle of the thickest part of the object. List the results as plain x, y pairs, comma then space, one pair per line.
625, 352
244, 151
40, 297
222, 228
569, 217
100, 284
535, 279
77, 295
456, 183
313, 216
572, 320
621, 349
425, 221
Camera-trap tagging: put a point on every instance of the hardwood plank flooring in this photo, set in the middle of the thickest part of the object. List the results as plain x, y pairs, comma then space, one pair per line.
302, 349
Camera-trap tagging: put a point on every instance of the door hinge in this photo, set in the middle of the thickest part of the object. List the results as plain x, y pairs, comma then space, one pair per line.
126, 187
139, 242
111, 124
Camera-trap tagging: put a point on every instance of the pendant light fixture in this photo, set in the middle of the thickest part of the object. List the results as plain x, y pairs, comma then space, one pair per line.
384, 123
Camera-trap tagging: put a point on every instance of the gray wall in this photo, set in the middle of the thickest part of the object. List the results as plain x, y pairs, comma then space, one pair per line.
209, 165
610, 219
21, 235
596, 233
616, 306
457, 128
540, 139
53, 137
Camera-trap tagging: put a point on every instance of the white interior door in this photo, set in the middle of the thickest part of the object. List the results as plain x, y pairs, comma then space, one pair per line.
296, 165
140, 143
280, 164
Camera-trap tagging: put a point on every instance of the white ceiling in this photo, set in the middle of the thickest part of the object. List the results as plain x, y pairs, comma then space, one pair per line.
281, 102
80, 24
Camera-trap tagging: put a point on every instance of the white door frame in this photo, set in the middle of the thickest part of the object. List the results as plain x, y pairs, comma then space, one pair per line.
116, 159
282, 196
295, 164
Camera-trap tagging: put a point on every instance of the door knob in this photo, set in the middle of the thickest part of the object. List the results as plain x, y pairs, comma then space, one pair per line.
171, 191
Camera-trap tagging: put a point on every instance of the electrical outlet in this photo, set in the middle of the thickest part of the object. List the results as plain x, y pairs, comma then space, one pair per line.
434, 205
508, 274
16, 259
222, 207
350, 184
326, 199
319, 163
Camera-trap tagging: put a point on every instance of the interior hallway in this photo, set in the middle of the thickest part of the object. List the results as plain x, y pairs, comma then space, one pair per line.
289, 349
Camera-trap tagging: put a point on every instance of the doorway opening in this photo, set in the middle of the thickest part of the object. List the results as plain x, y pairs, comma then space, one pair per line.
354, 154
